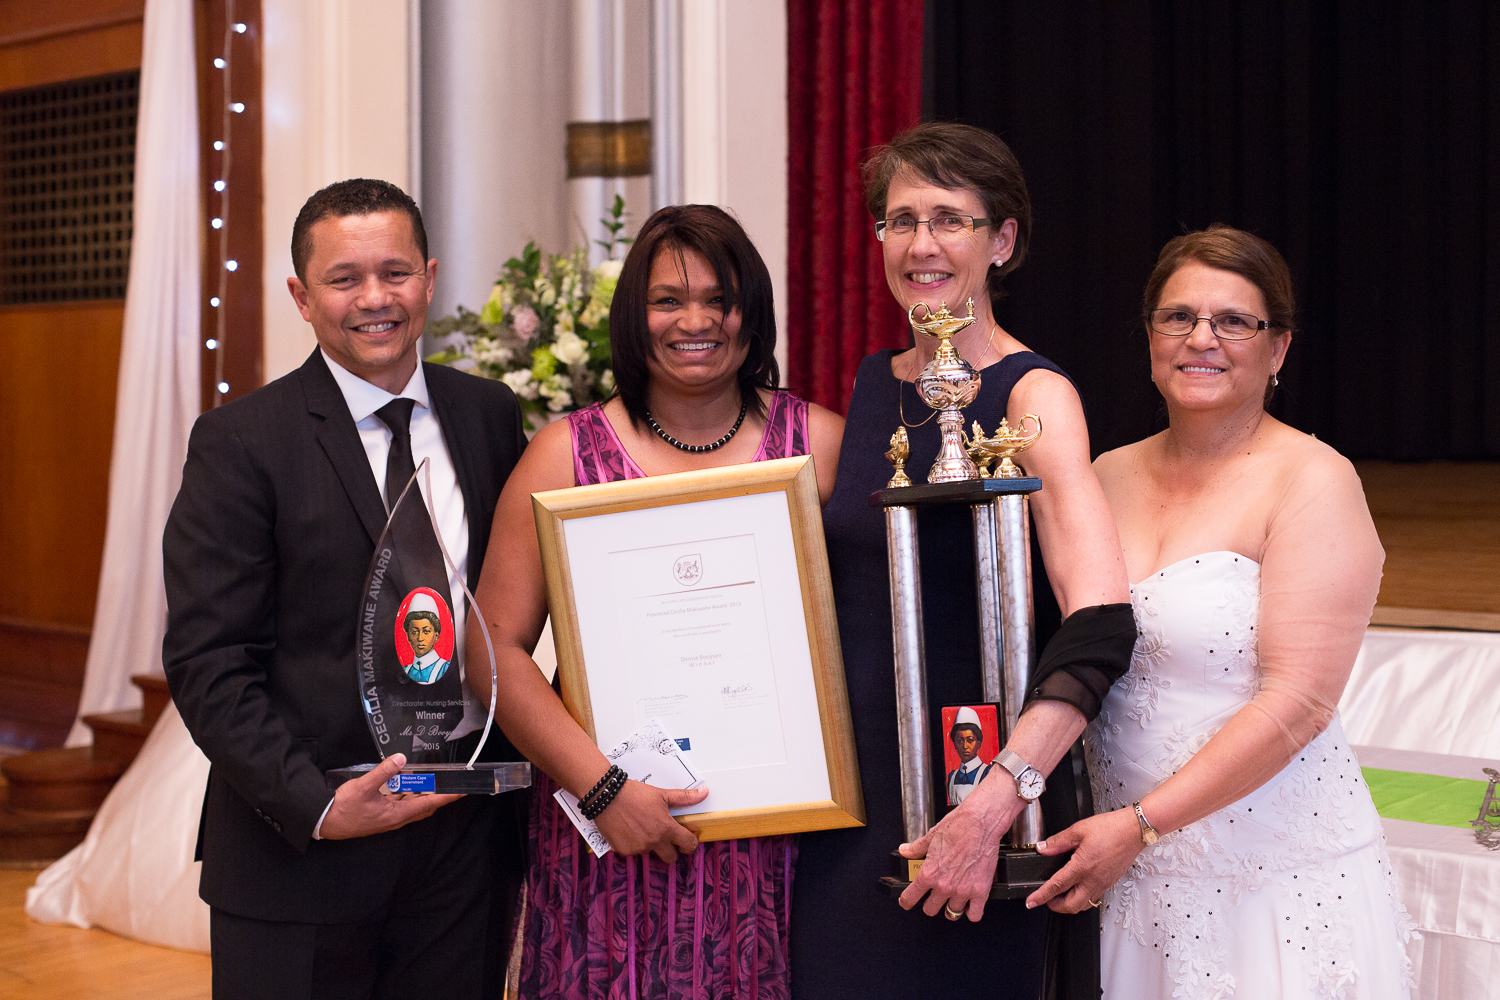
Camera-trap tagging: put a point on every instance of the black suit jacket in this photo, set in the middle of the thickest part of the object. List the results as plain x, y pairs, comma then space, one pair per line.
266, 551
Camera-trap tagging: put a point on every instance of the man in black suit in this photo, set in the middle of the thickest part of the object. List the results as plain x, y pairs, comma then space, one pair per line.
354, 893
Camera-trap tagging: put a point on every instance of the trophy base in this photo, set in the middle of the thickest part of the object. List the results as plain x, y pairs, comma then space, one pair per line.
1019, 872
484, 778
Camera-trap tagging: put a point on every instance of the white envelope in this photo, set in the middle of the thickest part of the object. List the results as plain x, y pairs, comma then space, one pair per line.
649, 756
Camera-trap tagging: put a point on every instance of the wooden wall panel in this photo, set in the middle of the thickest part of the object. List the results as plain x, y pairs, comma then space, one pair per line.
28, 20
58, 370
72, 56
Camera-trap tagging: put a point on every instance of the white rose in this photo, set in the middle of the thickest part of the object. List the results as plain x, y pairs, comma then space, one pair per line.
570, 349
609, 269
520, 383
607, 380
560, 401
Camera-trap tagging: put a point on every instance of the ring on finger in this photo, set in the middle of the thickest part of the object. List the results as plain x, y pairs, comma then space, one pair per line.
1096, 903
951, 913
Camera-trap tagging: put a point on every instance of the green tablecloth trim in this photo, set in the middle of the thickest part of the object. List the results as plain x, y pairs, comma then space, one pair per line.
1425, 798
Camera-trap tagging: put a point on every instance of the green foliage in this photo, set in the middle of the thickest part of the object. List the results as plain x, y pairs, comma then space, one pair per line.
614, 223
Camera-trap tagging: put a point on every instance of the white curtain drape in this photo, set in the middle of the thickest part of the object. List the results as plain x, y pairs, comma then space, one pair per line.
158, 394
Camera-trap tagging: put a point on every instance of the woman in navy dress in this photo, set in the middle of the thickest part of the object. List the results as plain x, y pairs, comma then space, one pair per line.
954, 218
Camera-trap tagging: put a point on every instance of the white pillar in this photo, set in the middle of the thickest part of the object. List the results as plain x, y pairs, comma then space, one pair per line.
611, 63
496, 82
337, 81
734, 144
666, 103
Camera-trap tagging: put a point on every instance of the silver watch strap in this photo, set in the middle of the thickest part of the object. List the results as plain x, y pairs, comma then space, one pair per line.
1012, 762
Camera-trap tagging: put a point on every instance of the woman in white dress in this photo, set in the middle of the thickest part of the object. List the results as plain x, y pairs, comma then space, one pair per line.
1235, 850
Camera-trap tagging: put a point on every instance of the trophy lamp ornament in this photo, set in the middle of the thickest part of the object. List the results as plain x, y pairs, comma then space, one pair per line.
900, 448
1487, 826
1005, 444
947, 384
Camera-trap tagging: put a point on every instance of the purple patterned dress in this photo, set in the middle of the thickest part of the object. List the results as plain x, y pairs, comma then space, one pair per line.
712, 926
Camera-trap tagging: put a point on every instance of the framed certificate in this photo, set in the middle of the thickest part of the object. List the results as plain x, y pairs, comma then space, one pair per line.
703, 600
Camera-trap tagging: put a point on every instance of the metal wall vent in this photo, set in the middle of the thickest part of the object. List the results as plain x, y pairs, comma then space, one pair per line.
67, 173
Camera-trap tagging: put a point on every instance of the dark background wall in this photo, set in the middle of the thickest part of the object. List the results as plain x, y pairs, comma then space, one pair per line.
1361, 138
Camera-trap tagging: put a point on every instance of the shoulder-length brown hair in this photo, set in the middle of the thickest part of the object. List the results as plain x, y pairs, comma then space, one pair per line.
741, 273
954, 157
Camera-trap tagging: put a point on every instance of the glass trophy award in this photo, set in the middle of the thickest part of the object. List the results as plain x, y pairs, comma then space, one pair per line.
410, 665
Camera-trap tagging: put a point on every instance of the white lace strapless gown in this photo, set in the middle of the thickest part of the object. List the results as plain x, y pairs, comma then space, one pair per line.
1286, 893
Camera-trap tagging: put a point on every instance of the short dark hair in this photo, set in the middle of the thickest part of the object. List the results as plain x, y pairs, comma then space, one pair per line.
1234, 250
437, 624
955, 156
978, 733
742, 274
359, 196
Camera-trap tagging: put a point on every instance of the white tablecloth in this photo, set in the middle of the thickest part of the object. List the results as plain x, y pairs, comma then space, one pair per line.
1421, 690
1449, 883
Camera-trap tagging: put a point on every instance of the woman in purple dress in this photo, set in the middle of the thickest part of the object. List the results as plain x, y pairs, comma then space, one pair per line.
693, 333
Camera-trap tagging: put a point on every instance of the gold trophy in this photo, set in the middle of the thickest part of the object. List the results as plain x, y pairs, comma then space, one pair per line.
947, 384
1002, 562
1005, 444
900, 448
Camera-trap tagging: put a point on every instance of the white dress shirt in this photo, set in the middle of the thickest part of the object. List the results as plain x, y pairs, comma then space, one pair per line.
445, 499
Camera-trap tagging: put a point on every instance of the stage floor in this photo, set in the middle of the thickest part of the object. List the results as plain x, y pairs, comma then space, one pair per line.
1440, 525
40, 962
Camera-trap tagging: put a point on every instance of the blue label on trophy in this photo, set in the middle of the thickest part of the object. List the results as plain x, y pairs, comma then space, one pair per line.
411, 782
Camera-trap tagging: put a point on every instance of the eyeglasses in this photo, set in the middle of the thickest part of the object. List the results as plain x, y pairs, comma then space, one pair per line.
940, 226
1226, 326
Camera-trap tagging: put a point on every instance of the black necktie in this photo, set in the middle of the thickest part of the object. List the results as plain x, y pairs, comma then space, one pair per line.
411, 558
412, 523
399, 466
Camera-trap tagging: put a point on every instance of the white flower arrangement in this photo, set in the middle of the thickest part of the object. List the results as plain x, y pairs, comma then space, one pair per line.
544, 330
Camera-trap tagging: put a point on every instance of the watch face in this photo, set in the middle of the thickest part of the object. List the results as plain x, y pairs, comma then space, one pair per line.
1030, 784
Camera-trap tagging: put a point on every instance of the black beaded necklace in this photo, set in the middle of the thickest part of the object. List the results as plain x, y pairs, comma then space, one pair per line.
698, 449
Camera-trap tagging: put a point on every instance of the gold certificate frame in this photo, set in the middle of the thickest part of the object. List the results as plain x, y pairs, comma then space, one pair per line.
703, 599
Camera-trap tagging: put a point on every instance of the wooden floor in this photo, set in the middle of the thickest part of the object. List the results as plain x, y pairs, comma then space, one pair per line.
41, 962
1440, 525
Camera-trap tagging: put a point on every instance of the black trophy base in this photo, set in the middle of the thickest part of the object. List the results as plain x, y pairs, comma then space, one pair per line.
484, 778
1019, 872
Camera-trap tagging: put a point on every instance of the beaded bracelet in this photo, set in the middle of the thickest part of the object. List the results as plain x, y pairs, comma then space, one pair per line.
600, 802
614, 774
598, 786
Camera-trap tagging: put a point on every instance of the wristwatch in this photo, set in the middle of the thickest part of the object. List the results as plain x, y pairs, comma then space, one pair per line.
1149, 835
1029, 781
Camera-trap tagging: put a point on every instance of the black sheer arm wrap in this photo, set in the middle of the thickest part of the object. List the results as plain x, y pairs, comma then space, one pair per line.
1089, 653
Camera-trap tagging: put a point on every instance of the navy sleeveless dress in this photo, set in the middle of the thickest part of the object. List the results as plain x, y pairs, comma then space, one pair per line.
849, 938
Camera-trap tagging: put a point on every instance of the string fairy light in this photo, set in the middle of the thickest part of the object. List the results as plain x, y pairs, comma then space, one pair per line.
224, 63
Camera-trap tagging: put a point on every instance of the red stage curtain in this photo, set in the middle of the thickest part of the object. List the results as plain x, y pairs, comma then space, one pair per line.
854, 80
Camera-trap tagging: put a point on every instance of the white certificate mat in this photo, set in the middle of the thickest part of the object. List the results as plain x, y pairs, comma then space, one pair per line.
692, 619
712, 613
